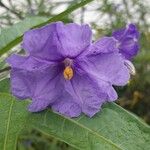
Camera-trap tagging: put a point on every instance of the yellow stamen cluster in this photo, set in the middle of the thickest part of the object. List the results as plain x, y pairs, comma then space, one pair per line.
68, 73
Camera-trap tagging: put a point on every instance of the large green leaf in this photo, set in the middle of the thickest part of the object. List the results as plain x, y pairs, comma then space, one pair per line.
12, 36
111, 129
12, 119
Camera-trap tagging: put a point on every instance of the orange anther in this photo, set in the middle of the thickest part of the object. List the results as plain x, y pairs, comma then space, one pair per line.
68, 73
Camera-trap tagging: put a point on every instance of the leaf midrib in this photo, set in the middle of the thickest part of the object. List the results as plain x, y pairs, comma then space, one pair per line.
93, 132
86, 128
8, 124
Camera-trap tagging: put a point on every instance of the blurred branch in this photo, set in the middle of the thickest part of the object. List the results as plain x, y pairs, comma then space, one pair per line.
127, 9
11, 10
82, 15
30, 7
5, 69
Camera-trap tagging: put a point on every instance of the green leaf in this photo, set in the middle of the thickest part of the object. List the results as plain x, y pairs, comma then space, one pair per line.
111, 129
5, 85
12, 36
13, 115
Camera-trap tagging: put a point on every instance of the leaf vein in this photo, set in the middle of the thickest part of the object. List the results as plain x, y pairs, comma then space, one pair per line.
8, 124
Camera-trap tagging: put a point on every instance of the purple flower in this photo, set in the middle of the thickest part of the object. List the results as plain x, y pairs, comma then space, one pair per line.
64, 70
127, 39
128, 44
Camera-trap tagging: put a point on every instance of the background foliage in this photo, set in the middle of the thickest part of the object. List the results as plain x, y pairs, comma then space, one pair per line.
103, 16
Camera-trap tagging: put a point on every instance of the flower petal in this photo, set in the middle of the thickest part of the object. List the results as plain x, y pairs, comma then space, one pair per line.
103, 45
118, 34
66, 106
43, 42
42, 86
128, 41
129, 31
20, 83
38, 105
56, 41
108, 67
129, 48
74, 38
29, 63
86, 93
112, 95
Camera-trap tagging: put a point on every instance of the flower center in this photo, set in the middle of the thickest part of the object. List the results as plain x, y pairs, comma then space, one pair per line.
68, 71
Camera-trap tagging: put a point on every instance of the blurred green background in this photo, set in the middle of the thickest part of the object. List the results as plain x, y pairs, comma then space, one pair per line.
103, 16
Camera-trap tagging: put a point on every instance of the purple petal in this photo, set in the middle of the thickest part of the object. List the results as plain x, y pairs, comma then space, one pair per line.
128, 41
129, 31
43, 42
118, 34
56, 41
42, 86
112, 95
129, 48
29, 63
21, 83
74, 38
38, 105
66, 106
103, 45
86, 93
132, 31
108, 67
